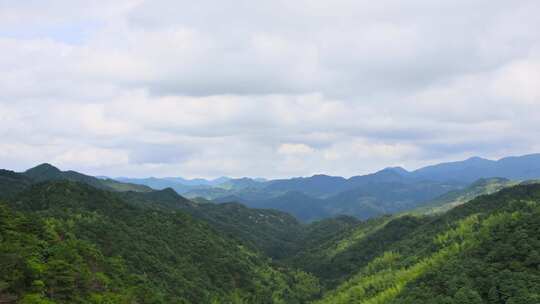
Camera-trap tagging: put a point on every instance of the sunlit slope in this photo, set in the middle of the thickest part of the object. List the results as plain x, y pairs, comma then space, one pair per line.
485, 251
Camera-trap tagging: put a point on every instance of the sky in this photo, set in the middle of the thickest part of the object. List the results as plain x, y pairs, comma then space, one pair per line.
266, 88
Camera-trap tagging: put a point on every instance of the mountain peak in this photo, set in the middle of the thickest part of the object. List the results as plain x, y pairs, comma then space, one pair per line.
44, 166
476, 159
43, 169
398, 170
168, 191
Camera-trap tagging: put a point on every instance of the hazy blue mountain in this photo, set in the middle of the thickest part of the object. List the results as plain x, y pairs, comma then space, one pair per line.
199, 181
386, 197
232, 198
363, 201
389, 190
460, 172
303, 206
316, 185
157, 183
241, 183
196, 187
515, 167
323, 186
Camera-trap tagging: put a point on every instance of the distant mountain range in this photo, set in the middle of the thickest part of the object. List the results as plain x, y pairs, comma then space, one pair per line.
515, 168
390, 190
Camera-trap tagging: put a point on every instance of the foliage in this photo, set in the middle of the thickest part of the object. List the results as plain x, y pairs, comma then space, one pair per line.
485, 251
78, 244
76, 241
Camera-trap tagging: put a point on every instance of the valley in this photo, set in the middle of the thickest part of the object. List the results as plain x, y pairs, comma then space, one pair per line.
388, 237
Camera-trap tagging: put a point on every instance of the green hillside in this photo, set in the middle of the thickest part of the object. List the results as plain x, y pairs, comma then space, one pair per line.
66, 238
66, 242
485, 251
455, 198
47, 172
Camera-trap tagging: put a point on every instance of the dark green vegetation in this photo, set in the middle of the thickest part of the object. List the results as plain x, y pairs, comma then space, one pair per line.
455, 198
47, 172
67, 242
71, 239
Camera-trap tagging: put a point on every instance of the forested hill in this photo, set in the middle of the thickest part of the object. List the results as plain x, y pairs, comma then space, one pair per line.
484, 251
67, 242
47, 172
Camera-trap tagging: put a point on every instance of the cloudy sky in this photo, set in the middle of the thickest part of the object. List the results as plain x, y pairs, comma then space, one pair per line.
266, 88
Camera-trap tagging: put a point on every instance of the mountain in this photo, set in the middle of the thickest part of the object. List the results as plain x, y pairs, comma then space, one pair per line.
483, 251
171, 182
384, 197
516, 168
199, 181
270, 232
460, 172
47, 172
68, 242
267, 231
388, 191
241, 183
196, 187
382, 193
166, 199
158, 183
316, 185
304, 207
455, 198
12, 183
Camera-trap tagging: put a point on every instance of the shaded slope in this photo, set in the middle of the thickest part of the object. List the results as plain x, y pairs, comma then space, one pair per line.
12, 183
47, 172
170, 256
302, 206
271, 232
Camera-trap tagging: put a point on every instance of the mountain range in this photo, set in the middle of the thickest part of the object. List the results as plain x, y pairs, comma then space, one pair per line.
66, 237
387, 191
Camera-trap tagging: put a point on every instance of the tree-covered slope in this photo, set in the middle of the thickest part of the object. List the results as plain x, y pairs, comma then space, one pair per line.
455, 198
484, 251
339, 257
68, 242
65, 241
47, 172
12, 183
302, 206
271, 232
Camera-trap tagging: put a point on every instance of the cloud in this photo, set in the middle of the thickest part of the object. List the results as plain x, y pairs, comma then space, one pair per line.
294, 149
268, 88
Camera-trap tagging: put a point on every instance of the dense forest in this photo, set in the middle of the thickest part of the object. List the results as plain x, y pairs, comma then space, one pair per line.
70, 238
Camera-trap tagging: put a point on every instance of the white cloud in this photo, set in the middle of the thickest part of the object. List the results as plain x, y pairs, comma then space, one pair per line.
295, 149
268, 88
